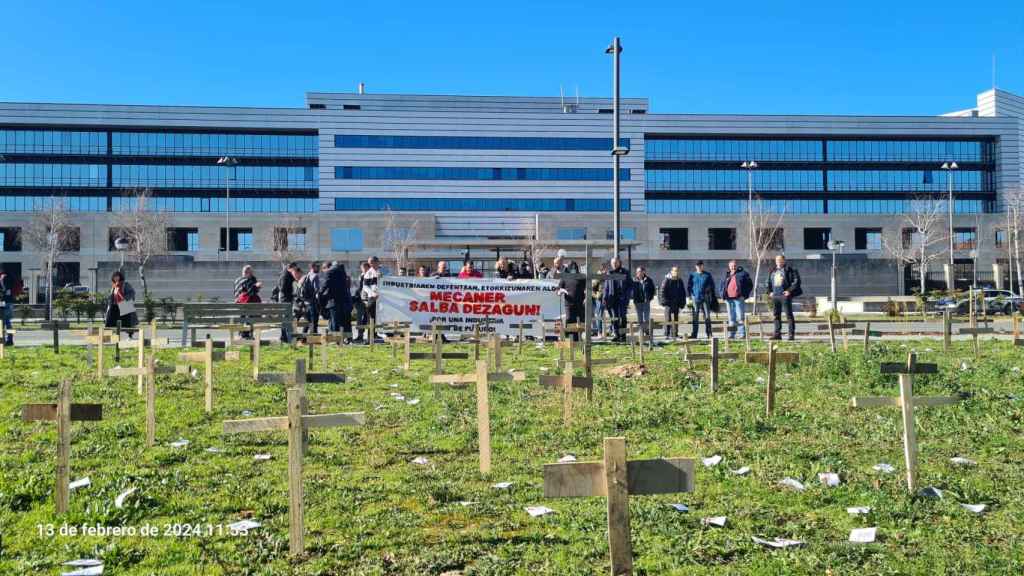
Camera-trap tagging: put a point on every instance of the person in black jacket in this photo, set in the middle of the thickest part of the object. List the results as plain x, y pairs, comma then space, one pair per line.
7, 302
338, 299
672, 298
736, 288
700, 286
783, 286
286, 294
642, 292
616, 298
574, 290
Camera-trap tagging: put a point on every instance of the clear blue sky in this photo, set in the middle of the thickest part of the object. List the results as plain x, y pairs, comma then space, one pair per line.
687, 56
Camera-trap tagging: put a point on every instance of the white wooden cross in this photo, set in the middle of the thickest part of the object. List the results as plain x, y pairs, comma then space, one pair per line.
370, 330
907, 402
323, 340
482, 378
713, 357
567, 381
772, 358
617, 478
521, 326
867, 333
100, 337
589, 277
139, 344
637, 340
64, 413
296, 424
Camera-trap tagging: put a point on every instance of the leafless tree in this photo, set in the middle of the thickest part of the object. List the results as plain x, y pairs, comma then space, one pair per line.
287, 248
145, 229
1014, 205
927, 238
398, 240
51, 232
764, 227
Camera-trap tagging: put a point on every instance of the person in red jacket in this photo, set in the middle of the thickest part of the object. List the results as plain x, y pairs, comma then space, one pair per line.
468, 271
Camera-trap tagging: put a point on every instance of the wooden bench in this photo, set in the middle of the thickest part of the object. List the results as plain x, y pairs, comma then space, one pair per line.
231, 317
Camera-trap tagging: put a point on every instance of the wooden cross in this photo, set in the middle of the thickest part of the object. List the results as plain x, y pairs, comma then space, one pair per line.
567, 381
947, 329
674, 326
297, 423
1017, 341
907, 401
256, 349
371, 330
617, 478
772, 358
589, 277
437, 353
521, 326
713, 358
637, 339
140, 346
494, 345
323, 340
974, 331
64, 413
397, 330
207, 357
147, 372
100, 337
482, 379
566, 349
298, 380
832, 327
867, 333
55, 326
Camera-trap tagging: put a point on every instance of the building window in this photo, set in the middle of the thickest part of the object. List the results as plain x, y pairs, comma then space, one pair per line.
675, 238
474, 173
817, 238
965, 239
291, 239
73, 239
241, 239
475, 142
478, 204
1000, 238
346, 239
867, 238
721, 238
10, 239
571, 234
624, 234
182, 239
771, 238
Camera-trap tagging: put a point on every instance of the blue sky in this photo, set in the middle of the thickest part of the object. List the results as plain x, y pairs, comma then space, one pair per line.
833, 57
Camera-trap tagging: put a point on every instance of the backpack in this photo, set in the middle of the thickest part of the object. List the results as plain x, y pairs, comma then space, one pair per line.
306, 290
275, 295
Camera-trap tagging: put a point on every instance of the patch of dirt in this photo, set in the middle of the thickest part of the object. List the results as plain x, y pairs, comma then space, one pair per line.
627, 371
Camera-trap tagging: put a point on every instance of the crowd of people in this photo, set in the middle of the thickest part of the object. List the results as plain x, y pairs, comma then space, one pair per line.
326, 291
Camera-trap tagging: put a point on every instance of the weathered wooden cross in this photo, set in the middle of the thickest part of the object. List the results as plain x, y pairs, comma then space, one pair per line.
64, 413
567, 381
495, 343
522, 327
867, 333
99, 337
907, 402
637, 337
589, 277
1017, 341
712, 358
974, 331
437, 352
55, 326
832, 327
482, 378
140, 346
257, 347
772, 358
322, 340
298, 380
147, 372
297, 423
206, 357
617, 478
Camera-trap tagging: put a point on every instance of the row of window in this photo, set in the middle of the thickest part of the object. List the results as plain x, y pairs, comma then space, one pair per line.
581, 234
729, 206
904, 206
40, 203
160, 176
269, 205
52, 142
740, 150
78, 175
813, 180
475, 142
470, 173
479, 204
201, 144
865, 239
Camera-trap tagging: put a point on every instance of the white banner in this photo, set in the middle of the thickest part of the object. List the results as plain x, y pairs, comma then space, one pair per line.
458, 305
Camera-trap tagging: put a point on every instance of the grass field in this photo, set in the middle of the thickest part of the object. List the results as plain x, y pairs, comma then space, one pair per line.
369, 510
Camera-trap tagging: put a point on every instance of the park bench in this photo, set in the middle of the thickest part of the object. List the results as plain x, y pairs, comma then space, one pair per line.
231, 317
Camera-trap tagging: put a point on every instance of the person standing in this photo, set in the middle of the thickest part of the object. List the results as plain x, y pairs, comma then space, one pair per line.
643, 291
7, 302
598, 303
247, 287
286, 295
573, 290
121, 305
672, 298
362, 319
422, 272
339, 300
783, 286
616, 298
736, 288
369, 291
701, 288
442, 270
309, 286
468, 271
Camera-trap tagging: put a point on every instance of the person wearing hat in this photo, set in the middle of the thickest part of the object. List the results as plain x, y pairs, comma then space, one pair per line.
701, 288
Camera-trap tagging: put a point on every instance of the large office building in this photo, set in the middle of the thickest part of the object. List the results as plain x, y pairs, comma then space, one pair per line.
355, 174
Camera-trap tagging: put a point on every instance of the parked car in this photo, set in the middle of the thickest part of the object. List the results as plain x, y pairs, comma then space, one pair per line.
996, 302
77, 289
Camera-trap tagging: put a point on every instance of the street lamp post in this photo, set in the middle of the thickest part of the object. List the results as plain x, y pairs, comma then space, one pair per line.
617, 152
835, 246
949, 167
227, 162
121, 244
749, 166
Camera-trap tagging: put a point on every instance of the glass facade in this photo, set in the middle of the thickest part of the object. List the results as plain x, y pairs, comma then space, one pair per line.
467, 173
571, 234
479, 204
52, 142
736, 180
214, 145
37, 203
213, 176
938, 151
39, 175
475, 142
346, 239
198, 204
902, 206
736, 150
908, 180
730, 206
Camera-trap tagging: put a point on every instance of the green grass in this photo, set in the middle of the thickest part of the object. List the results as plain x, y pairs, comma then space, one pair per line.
370, 511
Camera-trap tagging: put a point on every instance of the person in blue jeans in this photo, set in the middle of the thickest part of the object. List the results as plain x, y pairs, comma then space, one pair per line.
736, 288
701, 288
643, 291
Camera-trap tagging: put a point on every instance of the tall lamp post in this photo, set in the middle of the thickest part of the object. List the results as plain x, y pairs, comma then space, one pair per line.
617, 151
749, 166
949, 167
227, 162
121, 244
835, 246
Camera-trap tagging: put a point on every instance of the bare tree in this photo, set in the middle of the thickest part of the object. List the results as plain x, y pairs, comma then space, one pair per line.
145, 229
287, 245
927, 238
51, 232
1014, 204
764, 227
398, 239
